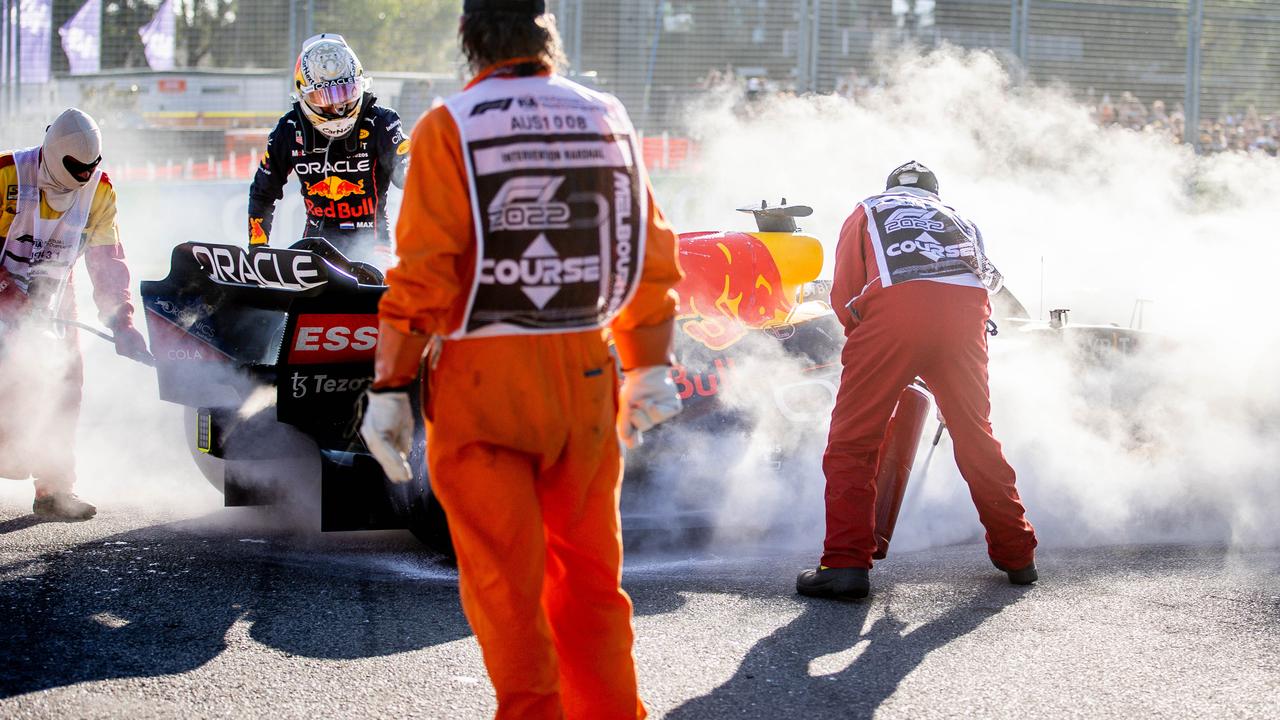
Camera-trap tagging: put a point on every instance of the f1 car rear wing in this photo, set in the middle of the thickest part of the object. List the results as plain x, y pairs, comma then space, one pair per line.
263, 276
218, 321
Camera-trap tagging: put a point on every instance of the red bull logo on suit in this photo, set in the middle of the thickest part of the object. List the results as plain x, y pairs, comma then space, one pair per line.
335, 188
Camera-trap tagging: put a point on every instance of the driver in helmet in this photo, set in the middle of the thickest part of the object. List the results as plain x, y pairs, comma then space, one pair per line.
345, 148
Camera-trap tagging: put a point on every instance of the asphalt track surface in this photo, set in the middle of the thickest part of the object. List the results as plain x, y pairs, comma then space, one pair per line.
217, 613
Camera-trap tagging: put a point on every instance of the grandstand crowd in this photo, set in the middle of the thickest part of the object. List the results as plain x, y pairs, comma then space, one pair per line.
1244, 131
1248, 131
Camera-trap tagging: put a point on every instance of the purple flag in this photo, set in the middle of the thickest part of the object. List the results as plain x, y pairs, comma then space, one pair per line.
37, 31
82, 39
158, 37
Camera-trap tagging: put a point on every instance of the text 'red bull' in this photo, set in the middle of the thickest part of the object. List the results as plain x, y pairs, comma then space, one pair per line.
340, 210
732, 284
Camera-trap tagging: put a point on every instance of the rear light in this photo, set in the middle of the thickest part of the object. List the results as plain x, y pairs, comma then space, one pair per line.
204, 430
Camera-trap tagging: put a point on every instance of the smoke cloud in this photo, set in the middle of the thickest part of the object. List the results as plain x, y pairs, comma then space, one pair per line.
1175, 442
1172, 443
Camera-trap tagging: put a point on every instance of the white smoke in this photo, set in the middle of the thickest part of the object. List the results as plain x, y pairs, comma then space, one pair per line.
1173, 443
132, 449
1110, 215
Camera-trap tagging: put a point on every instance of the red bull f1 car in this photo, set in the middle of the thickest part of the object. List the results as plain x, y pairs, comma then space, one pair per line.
270, 350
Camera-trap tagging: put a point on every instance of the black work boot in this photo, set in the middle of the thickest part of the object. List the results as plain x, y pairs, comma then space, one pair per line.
1023, 576
835, 583
63, 506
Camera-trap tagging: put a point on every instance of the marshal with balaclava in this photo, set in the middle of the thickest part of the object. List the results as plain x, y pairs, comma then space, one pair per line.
64, 171
58, 207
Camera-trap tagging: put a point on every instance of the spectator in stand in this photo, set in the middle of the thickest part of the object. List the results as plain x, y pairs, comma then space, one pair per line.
1133, 114
1247, 131
1158, 114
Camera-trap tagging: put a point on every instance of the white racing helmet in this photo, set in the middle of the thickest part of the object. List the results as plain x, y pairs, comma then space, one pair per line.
330, 84
71, 151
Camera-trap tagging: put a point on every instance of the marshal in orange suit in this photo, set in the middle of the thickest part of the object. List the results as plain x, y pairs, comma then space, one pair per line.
528, 230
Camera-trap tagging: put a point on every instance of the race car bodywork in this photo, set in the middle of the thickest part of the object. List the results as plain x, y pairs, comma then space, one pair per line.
270, 350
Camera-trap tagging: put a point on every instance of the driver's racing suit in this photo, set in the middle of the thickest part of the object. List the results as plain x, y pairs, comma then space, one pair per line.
344, 182
41, 373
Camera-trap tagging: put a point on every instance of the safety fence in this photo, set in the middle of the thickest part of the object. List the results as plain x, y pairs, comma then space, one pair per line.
1166, 63
661, 153
1206, 70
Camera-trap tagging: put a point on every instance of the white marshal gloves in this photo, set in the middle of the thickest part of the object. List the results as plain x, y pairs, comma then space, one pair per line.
387, 430
648, 397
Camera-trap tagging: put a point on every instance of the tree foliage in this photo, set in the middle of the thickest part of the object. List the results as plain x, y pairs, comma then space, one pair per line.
399, 35
402, 35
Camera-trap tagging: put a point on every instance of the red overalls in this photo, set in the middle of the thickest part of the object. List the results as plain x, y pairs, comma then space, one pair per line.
931, 330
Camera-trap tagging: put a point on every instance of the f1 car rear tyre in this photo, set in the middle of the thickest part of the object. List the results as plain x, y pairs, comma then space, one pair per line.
257, 460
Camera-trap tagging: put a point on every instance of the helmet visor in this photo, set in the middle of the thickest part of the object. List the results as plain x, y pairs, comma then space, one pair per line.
333, 101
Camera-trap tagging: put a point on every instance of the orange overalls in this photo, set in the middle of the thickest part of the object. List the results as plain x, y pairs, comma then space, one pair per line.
927, 329
522, 450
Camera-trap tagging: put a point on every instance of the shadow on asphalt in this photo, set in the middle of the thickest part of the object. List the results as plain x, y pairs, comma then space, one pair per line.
774, 678
19, 523
165, 599
158, 601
